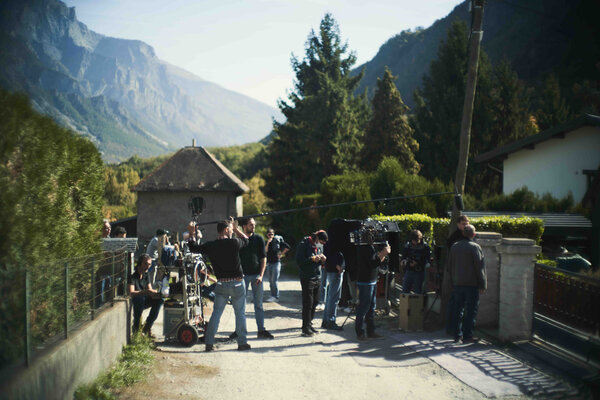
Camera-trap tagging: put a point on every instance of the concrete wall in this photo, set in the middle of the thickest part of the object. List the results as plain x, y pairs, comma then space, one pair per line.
75, 361
170, 211
555, 166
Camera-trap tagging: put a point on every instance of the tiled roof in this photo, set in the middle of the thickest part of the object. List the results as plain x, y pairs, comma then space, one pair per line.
191, 169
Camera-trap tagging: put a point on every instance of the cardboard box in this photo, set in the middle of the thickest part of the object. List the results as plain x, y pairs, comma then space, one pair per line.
411, 310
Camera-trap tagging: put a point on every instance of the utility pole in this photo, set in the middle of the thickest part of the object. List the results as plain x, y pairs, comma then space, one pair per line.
467, 117
465, 132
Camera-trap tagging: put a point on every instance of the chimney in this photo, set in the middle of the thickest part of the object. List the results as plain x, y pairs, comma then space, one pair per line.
193, 142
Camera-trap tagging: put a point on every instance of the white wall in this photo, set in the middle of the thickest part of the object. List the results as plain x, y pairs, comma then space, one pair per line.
555, 165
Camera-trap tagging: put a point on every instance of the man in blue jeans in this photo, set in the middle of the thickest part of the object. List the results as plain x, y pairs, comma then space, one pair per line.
469, 280
223, 253
276, 248
334, 270
254, 263
368, 268
143, 295
416, 256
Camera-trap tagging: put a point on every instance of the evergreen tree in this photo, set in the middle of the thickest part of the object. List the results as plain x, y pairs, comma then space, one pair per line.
500, 115
437, 113
324, 121
388, 132
552, 108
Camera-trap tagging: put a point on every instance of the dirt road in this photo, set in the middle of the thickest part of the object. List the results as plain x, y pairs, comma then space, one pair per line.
330, 365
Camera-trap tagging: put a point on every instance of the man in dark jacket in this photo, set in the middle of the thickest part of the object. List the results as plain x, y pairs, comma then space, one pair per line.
310, 257
276, 248
416, 257
467, 270
454, 237
368, 269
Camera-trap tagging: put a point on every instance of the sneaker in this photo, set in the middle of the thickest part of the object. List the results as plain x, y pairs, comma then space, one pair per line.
320, 307
374, 336
347, 309
243, 347
313, 329
473, 339
272, 299
234, 335
264, 335
332, 326
458, 339
209, 347
307, 333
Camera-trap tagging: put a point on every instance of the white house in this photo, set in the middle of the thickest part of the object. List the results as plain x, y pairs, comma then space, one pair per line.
560, 160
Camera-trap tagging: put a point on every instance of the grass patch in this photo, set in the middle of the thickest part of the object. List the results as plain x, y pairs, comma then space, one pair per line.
133, 365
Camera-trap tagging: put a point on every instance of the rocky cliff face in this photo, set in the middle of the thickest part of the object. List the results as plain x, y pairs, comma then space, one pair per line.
116, 91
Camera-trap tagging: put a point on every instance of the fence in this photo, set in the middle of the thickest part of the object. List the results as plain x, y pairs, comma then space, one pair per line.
567, 297
42, 305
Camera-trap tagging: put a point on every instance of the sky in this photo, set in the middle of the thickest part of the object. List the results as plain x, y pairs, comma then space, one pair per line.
246, 46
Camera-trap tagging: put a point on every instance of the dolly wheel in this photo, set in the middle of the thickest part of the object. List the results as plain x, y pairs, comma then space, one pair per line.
187, 335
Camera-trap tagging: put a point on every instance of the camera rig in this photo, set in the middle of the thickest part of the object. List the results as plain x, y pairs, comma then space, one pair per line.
373, 232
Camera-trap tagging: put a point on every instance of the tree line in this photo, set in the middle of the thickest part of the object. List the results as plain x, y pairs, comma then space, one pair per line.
332, 137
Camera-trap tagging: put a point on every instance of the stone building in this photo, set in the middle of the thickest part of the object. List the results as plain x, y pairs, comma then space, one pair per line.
165, 195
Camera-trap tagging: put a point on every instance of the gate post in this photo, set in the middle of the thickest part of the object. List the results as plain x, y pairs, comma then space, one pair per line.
517, 260
487, 316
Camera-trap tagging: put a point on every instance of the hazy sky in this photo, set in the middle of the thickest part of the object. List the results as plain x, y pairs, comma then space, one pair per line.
246, 46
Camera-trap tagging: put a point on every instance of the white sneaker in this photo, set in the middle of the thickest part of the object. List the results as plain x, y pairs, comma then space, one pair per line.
320, 307
272, 299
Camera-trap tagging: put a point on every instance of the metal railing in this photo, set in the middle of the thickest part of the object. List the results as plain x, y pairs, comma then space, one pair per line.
570, 298
42, 305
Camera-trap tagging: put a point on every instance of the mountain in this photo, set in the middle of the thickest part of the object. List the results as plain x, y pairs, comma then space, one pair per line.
537, 36
116, 91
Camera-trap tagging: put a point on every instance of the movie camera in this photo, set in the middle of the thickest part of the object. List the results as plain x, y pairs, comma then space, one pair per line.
373, 232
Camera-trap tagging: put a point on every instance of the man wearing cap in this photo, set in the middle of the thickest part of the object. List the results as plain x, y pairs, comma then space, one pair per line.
152, 248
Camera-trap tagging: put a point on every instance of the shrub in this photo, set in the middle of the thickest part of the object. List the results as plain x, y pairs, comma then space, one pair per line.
438, 228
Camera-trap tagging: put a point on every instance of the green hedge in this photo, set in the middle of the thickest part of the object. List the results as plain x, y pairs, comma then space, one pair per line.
437, 228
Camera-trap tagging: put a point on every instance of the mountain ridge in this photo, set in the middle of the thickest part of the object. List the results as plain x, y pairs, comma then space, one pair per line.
66, 68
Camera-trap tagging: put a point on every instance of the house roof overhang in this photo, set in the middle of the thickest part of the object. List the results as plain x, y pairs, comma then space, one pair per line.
501, 153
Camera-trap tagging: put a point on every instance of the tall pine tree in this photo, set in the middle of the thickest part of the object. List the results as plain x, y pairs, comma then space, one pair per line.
388, 132
552, 109
501, 113
324, 121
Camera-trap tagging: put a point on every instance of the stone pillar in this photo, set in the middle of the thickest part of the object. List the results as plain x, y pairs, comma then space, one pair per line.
487, 316
517, 258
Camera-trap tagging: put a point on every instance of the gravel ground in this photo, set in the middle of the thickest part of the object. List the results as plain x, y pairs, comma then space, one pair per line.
330, 365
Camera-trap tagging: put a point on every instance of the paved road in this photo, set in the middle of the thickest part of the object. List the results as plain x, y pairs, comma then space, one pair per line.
333, 365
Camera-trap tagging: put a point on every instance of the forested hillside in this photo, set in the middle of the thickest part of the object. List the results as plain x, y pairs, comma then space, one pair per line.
537, 37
